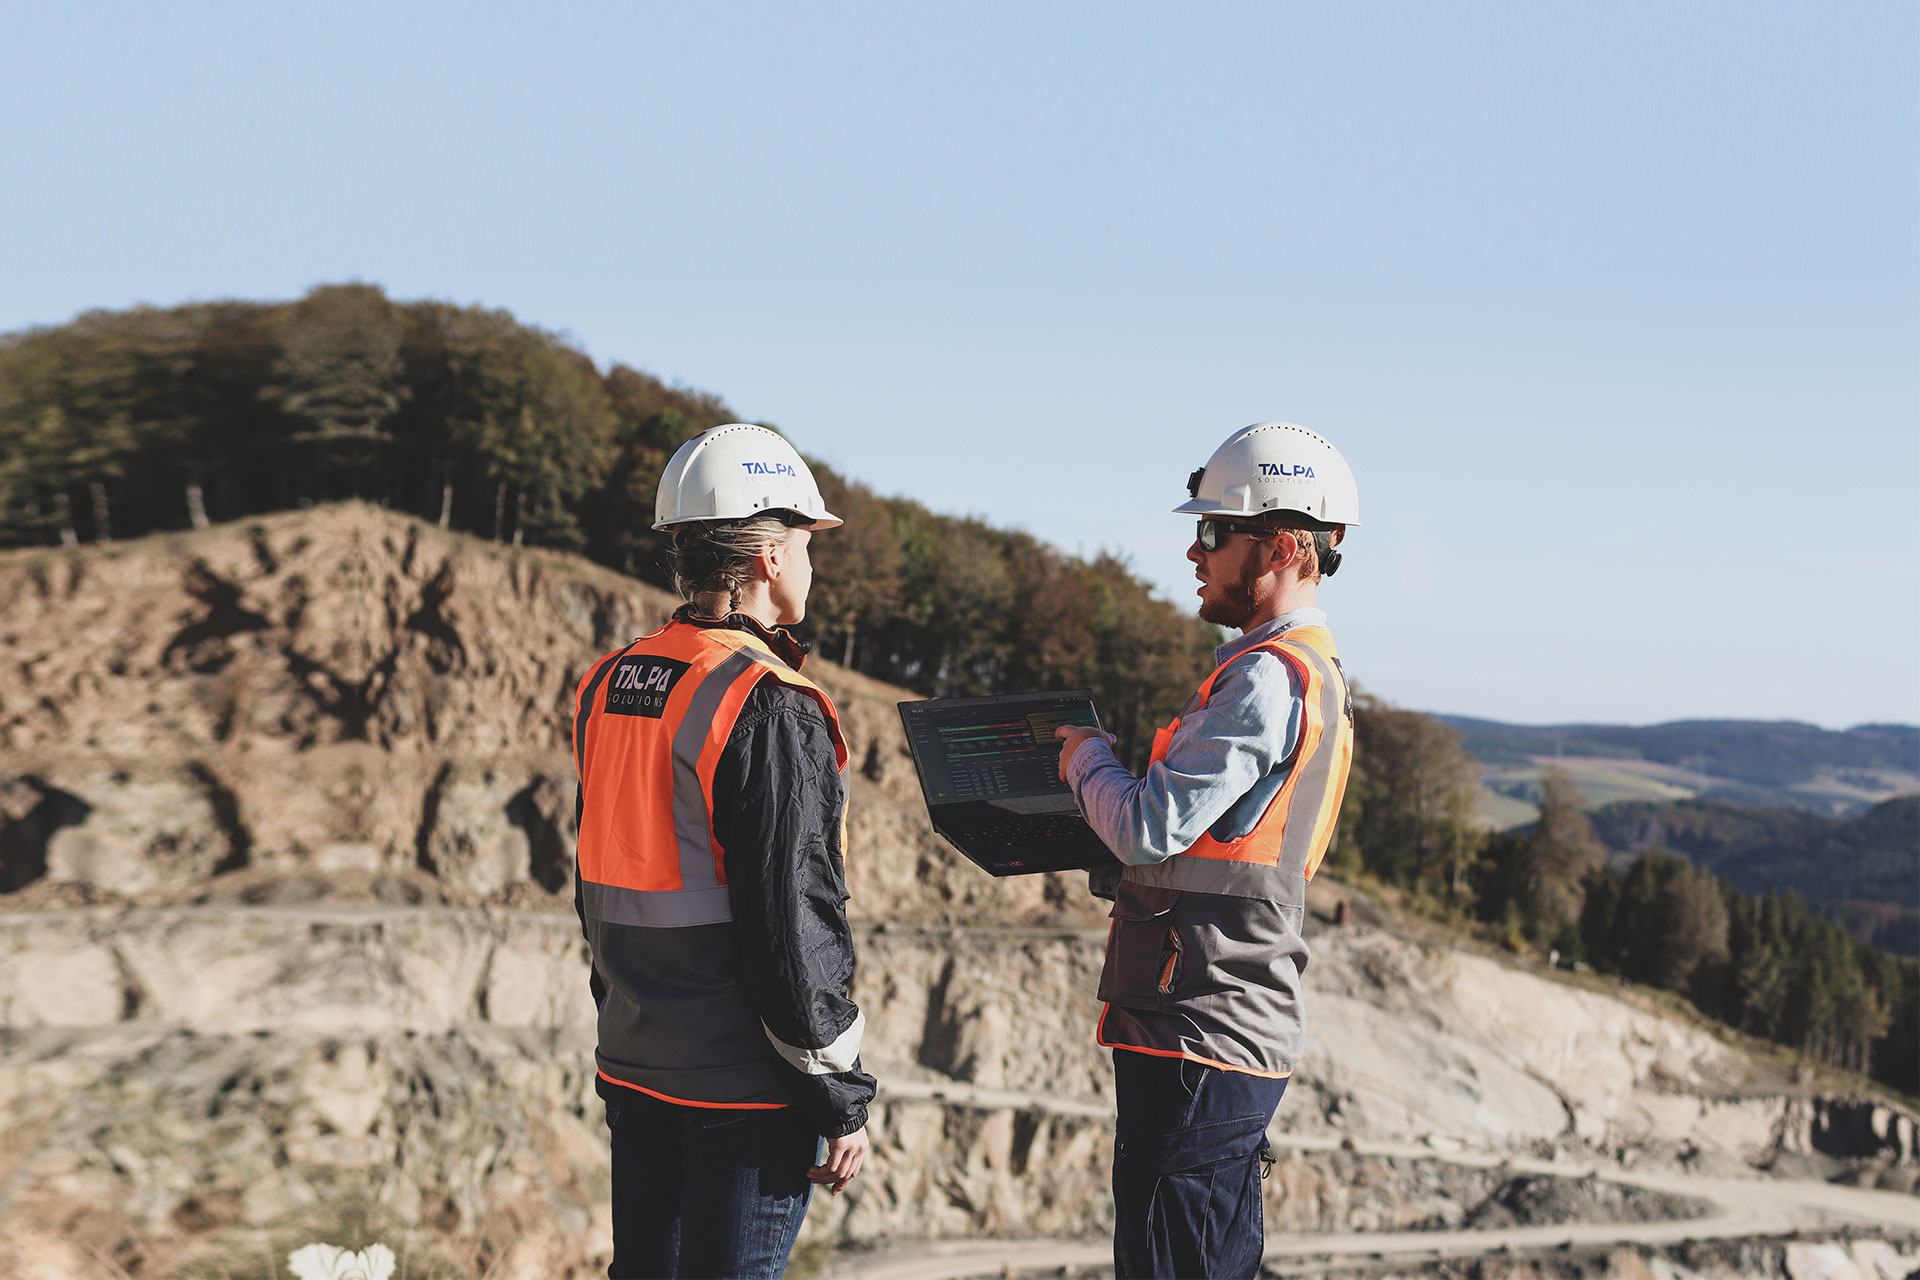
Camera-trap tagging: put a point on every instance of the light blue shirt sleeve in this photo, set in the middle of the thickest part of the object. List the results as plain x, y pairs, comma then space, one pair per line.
1236, 748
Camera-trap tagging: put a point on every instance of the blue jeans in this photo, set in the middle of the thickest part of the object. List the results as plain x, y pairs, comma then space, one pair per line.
1188, 1157
704, 1192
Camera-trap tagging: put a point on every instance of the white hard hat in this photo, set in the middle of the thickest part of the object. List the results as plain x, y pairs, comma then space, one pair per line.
734, 471
1275, 466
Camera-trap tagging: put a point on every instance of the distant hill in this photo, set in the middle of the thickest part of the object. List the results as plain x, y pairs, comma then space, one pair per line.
1765, 764
1865, 869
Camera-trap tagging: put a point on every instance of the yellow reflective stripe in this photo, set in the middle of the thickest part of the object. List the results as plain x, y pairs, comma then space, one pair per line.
1315, 803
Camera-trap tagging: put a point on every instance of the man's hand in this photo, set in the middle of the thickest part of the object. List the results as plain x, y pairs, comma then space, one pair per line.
843, 1160
1075, 734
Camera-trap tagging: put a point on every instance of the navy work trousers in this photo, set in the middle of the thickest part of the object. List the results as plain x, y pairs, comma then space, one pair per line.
701, 1191
1187, 1165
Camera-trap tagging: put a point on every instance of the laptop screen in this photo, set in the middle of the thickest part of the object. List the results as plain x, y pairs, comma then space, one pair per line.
993, 748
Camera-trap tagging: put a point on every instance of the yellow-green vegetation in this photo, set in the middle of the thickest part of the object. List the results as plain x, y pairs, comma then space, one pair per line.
1600, 781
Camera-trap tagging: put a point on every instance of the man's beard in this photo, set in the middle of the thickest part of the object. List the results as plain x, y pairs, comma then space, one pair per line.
1238, 601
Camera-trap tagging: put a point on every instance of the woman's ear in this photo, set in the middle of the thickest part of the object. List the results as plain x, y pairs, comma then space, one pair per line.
773, 557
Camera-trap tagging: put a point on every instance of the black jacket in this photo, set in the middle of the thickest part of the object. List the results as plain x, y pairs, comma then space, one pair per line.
777, 804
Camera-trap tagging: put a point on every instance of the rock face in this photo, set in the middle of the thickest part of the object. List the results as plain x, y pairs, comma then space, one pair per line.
334, 692
287, 950
347, 700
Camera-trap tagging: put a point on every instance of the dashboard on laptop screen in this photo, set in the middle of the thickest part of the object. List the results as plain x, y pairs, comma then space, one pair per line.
994, 749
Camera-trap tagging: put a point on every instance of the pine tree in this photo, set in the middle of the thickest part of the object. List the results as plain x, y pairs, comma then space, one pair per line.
1559, 855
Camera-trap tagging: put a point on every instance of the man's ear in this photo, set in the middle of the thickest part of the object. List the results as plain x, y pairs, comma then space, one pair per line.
1286, 549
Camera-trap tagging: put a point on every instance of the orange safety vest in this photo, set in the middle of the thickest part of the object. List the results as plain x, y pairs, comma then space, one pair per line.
650, 723
1204, 955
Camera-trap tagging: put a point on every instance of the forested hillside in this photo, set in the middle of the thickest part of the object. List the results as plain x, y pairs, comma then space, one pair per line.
1754, 956
1865, 870
123, 423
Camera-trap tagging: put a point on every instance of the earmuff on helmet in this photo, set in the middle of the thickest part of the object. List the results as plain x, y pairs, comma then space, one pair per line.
1327, 554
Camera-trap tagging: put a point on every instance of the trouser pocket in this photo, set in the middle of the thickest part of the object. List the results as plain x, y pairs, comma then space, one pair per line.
1202, 1221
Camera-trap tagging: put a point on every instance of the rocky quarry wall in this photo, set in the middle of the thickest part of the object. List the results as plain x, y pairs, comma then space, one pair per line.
287, 950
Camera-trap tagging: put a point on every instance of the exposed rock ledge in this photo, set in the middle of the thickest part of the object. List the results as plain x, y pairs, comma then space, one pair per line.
286, 950
344, 698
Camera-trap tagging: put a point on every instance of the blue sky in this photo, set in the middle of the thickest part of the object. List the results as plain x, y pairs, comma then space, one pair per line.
1615, 310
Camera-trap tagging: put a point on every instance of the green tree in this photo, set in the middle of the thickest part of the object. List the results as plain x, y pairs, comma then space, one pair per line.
339, 375
857, 567
1762, 967
1050, 624
618, 513
1148, 657
1896, 1056
534, 420
80, 406
1669, 920
1555, 861
957, 590
1414, 792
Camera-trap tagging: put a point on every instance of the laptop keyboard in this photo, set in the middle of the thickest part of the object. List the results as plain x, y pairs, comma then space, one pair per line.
1038, 828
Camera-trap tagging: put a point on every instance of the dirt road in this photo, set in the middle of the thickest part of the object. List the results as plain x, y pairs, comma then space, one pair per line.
1745, 1207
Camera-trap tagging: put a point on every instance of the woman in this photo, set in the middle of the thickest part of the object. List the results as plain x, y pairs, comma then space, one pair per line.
711, 886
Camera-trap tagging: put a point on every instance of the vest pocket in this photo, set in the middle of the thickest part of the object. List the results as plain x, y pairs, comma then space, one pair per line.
1170, 960
1144, 952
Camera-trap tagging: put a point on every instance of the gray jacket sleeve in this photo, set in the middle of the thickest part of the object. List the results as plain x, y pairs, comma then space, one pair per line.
1225, 763
776, 813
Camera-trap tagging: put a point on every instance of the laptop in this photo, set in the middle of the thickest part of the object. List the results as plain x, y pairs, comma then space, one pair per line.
990, 771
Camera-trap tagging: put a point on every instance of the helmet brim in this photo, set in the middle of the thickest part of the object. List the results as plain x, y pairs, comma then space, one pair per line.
823, 520
1201, 507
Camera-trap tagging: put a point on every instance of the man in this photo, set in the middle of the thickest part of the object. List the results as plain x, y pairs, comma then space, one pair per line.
711, 886
1203, 965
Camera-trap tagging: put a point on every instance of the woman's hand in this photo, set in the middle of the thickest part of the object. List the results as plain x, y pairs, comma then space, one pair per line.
842, 1162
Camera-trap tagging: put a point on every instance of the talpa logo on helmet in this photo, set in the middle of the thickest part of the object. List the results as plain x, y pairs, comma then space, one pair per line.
1285, 469
768, 469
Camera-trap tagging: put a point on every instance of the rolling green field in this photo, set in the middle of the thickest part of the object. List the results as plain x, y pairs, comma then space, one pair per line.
1759, 764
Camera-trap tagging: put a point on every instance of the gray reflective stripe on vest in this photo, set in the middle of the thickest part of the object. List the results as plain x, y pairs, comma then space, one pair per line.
1224, 876
1316, 776
655, 909
692, 824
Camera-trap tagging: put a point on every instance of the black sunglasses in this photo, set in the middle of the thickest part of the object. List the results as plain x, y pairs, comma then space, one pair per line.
1214, 532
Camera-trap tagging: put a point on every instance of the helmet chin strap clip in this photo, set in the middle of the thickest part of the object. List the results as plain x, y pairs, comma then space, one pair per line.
1193, 482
